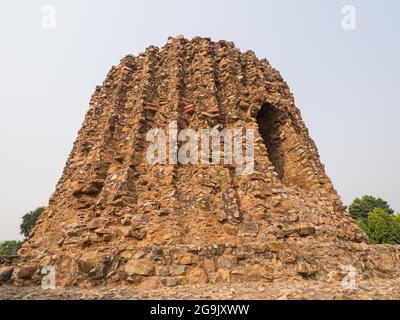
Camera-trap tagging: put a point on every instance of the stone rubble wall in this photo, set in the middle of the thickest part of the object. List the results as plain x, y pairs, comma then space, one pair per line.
114, 218
155, 266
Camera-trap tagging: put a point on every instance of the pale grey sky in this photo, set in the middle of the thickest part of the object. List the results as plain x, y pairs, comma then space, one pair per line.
346, 83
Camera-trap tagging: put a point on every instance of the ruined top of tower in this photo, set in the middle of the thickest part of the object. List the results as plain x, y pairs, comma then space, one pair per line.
115, 217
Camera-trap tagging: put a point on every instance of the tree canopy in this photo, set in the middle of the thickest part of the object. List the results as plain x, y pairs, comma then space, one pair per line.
361, 207
29, 221
381, 227
9, 248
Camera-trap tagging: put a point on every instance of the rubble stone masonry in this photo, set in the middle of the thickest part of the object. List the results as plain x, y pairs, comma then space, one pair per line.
115, 219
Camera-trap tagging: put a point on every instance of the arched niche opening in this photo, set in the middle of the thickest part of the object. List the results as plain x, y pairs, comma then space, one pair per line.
269, 124
286, 149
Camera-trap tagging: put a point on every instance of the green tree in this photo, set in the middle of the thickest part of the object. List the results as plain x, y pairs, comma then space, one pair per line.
396, 228
29, 221
9, 248
360, 208
381, 227
363, 225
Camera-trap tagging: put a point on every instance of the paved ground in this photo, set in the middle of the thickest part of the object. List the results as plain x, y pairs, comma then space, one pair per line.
371, 289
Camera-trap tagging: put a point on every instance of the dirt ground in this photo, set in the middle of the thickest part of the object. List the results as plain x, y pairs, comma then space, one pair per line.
304, 290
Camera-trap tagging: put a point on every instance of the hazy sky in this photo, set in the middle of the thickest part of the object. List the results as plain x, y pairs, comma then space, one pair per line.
345, 82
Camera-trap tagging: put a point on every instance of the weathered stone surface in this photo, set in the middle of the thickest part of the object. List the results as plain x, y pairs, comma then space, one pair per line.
114, 217
139, 267
178, 270
25, 272
5, 273
95, 224
171, 282
150, 283
224, 275
307, 269
138, 233
306, 230
188, 259
275, 246
88, 261
163, 270
227, 262
209, 266
197, 275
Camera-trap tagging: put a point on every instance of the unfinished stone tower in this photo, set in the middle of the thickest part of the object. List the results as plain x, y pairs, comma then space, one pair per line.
117, 219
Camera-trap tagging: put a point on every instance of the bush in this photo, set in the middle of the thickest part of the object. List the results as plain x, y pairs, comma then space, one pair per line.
29, 221
9, 248
360, 208
381, 227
